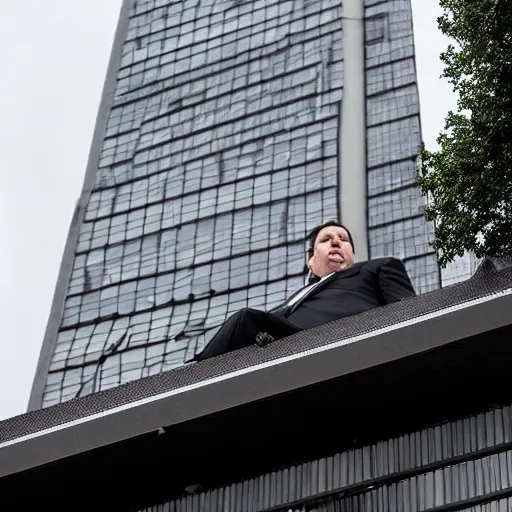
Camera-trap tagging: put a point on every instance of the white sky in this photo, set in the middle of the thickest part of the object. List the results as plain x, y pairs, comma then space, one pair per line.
54, 55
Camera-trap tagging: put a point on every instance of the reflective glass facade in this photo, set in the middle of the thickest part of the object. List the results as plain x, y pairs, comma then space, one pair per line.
221, 151
396, 208
460, 269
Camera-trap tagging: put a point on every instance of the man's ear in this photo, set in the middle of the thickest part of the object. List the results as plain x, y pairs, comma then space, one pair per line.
310, 261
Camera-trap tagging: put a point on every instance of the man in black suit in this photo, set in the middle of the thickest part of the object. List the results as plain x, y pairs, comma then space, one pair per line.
335, 288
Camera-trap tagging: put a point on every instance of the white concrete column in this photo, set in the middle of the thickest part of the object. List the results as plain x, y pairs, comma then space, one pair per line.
352, 143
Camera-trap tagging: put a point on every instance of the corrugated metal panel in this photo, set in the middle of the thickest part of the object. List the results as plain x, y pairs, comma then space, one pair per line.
450, 486
493, 506
438, 466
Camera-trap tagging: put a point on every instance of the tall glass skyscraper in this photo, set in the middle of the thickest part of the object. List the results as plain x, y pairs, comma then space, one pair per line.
227, 130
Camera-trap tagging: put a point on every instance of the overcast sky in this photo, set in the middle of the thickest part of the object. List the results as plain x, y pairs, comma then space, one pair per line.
54, 56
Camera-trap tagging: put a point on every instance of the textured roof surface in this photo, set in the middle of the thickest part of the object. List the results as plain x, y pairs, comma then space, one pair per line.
488, 281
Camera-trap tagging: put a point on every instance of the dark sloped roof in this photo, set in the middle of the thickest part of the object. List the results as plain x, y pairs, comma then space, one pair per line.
493, 278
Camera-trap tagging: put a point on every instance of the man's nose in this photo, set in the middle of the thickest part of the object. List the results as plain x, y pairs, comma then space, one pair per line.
335, 243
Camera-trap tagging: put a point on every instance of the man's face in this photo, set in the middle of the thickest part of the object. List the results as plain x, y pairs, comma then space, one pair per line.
332, 251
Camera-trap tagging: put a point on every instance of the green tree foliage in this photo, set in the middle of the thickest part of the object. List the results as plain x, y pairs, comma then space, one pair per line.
469, 180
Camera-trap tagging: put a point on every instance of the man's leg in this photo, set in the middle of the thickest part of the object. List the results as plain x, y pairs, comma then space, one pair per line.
241, 329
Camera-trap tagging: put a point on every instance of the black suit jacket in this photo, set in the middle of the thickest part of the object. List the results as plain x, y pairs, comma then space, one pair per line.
363, 286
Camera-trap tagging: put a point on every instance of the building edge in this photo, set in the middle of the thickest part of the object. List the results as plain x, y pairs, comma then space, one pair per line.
353, 196
64, 274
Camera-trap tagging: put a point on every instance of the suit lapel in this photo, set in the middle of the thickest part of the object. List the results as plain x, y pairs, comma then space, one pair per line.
343, 274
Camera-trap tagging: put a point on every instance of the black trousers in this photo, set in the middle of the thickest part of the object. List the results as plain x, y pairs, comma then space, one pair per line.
240, 330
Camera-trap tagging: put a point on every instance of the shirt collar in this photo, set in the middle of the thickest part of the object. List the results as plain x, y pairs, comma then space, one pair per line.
312, 279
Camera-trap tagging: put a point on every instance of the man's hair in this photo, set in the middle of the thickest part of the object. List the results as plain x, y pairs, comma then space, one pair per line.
313, 234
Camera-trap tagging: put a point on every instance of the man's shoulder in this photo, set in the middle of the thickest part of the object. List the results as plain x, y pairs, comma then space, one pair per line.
376, 263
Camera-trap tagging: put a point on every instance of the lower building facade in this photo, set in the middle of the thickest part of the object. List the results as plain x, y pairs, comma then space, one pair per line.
463, 465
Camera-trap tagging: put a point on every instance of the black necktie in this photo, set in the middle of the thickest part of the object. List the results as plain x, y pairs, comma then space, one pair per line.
313, 279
